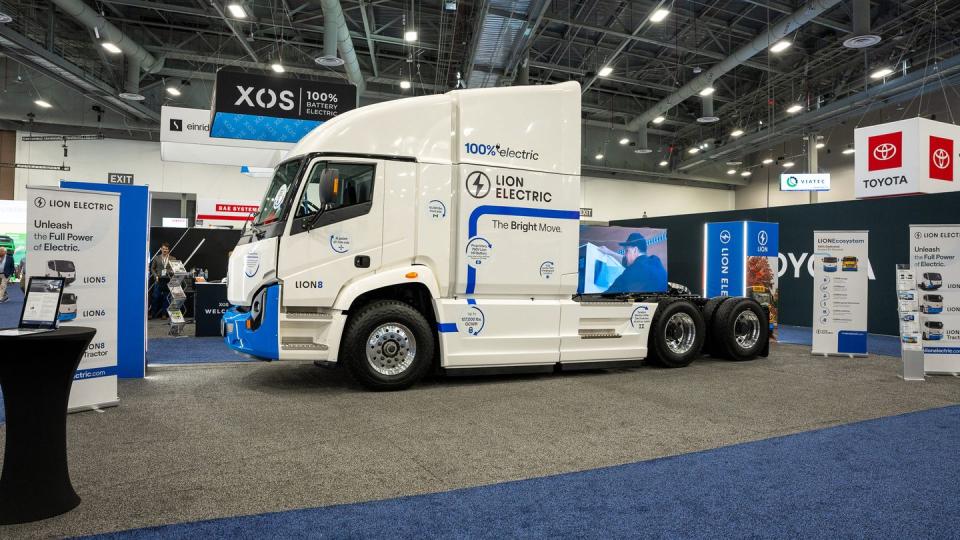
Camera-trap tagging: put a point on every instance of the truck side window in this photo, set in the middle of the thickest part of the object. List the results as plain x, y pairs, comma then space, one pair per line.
355, 187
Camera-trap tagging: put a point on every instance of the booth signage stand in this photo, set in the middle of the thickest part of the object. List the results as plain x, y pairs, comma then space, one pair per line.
840, 293
911, 349
177, 297
935, 260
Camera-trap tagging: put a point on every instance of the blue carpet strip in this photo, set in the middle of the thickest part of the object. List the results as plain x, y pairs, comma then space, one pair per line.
888, 478
192, 350
876, 343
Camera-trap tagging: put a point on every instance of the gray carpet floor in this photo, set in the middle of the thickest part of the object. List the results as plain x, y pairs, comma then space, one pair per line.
206, 441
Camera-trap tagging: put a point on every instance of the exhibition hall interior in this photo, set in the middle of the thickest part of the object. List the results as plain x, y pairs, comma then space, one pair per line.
479, 268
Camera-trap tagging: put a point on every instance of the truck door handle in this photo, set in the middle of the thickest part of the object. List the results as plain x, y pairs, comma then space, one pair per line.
361, 261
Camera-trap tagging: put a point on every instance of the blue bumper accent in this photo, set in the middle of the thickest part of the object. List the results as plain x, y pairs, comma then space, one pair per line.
262, 341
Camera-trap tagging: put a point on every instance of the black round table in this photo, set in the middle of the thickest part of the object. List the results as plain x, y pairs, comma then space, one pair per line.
36, 372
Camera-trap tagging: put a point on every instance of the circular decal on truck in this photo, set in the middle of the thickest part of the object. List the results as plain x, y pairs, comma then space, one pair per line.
251, 264
473, 320
436, 209
478, 250
547, 269
640, 317
340, 242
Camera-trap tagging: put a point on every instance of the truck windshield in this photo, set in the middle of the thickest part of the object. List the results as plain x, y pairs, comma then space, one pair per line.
274, 207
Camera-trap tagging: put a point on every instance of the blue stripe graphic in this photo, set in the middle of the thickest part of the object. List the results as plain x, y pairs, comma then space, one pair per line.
94, 373
471, 302
508, 211
447, 327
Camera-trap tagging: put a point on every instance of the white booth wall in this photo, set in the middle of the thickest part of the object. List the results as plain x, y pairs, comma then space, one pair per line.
626, 199
93, 160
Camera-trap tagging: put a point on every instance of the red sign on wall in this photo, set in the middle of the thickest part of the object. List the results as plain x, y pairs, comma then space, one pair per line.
885, 151
941, 158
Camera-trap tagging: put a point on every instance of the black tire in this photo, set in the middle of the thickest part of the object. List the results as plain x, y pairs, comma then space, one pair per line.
725, 332
709, 313
658, 348
361, 326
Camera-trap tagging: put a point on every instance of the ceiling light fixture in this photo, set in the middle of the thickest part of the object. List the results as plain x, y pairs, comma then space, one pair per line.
664, 163
788, 164
605, 71
820, 145
658, 120
278, 67
410, 36
707, 91
767, 161
795, 108
624, 141
659, 15
693, 150
5, 18
173, 91
110, 47
881, 73
848, 151
745, 174
732, 171
598, 157
780, 46
40, 102
405, 84
237, 10
736, 133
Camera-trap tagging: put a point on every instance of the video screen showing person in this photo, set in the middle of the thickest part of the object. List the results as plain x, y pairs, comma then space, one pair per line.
616, 260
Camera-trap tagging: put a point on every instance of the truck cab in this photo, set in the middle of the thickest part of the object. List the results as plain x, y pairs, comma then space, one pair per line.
439, 232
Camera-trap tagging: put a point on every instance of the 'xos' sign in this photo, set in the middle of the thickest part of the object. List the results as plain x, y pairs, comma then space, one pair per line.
281, 97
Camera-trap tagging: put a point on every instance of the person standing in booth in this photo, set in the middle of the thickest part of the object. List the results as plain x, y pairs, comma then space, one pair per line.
159, 275
6, 270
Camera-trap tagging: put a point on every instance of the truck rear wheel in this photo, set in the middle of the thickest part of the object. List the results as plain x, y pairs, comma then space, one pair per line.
676, 333
740, 329
709, 313
388, 345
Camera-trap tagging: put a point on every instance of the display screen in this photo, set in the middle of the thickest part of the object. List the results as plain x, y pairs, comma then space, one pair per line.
41, 304
616, 260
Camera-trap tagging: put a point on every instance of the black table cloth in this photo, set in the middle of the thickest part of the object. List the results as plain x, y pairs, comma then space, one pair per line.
36, 373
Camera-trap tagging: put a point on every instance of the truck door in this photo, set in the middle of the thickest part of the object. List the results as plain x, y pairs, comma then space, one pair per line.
322, 251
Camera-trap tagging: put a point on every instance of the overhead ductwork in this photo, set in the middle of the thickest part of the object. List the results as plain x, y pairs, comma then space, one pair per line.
330, 36
861, 36
759, 44
93, 20
131, 89
333, 18
706, 114
643, 147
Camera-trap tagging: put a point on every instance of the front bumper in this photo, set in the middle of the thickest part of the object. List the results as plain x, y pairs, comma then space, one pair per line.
247, 334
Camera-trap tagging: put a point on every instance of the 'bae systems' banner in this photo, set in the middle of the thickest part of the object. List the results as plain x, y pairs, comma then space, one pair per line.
275, 108
935, 260
74, 234
840, 292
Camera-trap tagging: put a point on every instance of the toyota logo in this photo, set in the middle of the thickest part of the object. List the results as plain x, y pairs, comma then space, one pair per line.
725, 236
941, 158
39, 202
762, 238
884, 151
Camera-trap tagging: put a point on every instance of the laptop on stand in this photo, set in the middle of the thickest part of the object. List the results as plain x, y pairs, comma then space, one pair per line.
41, 307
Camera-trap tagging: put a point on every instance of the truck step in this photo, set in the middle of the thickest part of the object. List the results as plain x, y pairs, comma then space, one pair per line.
598, 333
301, 344
307, 316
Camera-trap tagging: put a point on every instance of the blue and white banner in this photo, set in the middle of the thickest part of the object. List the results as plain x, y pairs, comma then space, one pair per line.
934, 254
727, 249
75, 235
840, 292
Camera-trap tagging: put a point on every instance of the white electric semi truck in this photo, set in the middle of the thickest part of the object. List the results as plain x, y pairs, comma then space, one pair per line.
441, 233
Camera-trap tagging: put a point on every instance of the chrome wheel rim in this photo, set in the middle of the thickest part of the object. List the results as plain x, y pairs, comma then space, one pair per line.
746, 329
680, 333
391, 349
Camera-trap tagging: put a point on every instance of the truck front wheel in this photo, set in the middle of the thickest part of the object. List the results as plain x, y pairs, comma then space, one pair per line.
388, 345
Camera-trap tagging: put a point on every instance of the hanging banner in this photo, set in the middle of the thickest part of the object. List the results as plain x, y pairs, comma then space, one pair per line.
185, 136
230, 212
275, 108
840, 292
934, 253
74, 234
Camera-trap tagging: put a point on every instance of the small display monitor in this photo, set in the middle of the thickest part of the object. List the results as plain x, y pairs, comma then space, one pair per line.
41, 305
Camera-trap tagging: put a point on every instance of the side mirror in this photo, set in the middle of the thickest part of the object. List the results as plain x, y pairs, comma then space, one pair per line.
330, 186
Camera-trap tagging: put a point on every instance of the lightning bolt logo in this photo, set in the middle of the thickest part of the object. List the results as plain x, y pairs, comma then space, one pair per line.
478, 184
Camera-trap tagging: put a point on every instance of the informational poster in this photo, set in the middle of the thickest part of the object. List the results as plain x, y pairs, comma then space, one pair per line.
934, 252
840, 292
74, 235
